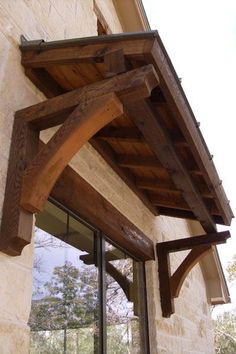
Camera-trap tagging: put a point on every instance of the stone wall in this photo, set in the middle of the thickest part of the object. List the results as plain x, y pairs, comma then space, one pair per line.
189, 330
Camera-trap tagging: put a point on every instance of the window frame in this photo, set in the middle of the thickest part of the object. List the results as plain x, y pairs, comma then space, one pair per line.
99, 251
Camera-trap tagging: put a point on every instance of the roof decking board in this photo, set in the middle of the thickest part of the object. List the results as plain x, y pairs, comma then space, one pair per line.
76, 63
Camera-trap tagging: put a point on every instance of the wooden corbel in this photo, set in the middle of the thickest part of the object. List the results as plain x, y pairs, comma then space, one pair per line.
170, 285
32, 173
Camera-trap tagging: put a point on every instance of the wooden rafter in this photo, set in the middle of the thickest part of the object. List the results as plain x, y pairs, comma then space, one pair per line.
109, 156
170, 285
74, 63
157, 136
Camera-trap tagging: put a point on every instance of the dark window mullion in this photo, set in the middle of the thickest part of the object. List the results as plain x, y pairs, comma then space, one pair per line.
102, 293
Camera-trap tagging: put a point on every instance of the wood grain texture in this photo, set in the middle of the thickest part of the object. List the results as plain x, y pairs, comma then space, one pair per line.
48, 164
110, 157
77, 195
157, 136
16, 225
181, 109
170, 285
129, 86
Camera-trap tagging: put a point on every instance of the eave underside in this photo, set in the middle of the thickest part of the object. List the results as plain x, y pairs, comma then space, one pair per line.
156, 147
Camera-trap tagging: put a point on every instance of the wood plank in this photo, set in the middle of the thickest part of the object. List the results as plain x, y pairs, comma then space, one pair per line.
46, 167
121, 134
109, 156
181, 109
130, 86
135, 161
183, 244
90, 53
177, 213
158, 139
155, 184
169, 199
16, 224
77, 195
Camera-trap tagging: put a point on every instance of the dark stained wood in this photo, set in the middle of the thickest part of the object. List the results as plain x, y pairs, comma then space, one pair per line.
78, 61
155, 184
157, 137
177, 213
46, 167
44, 82
138, 161
170, 285
164, 271
76, 194
114, 62
109, 156
181, 109
172, 200
130, 86
121, 134
16, 225
91, 53
184, 244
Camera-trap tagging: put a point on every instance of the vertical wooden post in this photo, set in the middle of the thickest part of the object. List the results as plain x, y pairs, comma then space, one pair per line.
16, 226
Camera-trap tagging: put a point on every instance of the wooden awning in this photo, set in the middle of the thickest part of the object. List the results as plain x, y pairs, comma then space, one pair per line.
156, 146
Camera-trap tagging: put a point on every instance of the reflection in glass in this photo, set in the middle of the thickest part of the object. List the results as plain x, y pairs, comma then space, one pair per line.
122, 302
64, 313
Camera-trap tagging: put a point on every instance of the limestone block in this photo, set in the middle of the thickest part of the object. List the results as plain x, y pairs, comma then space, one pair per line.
15, 290
14, 338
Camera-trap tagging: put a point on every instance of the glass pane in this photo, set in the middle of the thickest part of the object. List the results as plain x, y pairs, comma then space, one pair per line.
122, 302
64, 312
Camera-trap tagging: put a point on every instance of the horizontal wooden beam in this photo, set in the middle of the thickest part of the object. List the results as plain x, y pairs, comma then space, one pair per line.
77, 195
176, 213
121, 134
156, 135
135, 161
104, 149
82, 52
184, 244
155, 184
48, 164
130, 86
172, 200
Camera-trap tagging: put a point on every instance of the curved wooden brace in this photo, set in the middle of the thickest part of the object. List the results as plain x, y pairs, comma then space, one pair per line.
171, 285
44, 170
179, 276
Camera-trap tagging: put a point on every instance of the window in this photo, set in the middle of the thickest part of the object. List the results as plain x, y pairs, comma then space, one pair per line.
88, 295
102, 25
